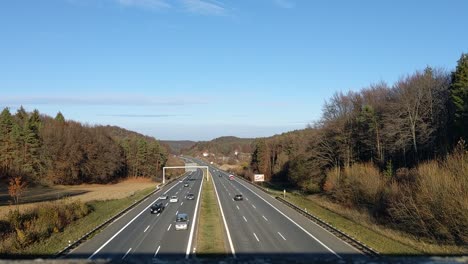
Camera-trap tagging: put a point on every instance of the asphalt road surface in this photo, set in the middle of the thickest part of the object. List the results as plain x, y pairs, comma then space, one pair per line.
142, 237
259, 226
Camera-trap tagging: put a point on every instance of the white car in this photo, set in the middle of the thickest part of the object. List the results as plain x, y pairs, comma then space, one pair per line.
181, 222
173, 199
163, 197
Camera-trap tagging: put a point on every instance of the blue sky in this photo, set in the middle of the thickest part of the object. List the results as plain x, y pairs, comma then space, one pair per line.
193, 69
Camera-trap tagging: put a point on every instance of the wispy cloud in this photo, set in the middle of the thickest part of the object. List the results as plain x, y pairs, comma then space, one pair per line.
144, 115
285, 4
148, 4
204, 7
100, 100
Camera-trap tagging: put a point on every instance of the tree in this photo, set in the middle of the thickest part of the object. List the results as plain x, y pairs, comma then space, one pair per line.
16, 188
6, 142
459, 98
59, 117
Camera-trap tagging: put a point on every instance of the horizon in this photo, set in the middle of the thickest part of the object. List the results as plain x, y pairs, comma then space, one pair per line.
199, 70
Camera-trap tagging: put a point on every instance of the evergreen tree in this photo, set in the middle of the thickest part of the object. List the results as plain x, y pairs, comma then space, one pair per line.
59, 117
459, 96
6, 141
32, 145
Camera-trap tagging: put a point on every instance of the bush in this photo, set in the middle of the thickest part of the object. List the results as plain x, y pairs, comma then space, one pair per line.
24, 229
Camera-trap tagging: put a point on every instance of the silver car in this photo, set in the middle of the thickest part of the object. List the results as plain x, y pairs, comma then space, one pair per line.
182, 222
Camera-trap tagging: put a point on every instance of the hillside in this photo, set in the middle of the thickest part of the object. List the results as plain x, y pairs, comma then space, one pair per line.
223, 149
45, 150
176, 146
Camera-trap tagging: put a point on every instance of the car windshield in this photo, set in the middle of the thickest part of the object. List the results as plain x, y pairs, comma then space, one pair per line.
182, 218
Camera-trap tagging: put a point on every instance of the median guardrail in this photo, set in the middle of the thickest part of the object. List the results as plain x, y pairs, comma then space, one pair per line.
83, 238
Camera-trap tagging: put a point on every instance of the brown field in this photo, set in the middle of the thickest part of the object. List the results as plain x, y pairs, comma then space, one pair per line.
83, 192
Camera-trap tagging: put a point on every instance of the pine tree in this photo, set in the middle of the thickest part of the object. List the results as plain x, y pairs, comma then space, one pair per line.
32, 145
459, 96
6, 141
59, 117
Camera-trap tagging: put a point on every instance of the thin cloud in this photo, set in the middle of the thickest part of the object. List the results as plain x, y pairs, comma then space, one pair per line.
100, 100
144, 115
204, 7
287, 4
147, 4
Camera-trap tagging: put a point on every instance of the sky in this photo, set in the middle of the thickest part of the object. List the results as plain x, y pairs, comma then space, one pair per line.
200, 69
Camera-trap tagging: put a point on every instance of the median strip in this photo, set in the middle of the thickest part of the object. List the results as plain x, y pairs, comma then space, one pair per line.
210, 238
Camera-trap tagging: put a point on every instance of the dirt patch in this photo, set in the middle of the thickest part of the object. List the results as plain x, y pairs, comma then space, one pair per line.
83, 192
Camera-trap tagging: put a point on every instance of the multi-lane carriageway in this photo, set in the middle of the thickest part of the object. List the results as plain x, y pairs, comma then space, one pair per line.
258, 226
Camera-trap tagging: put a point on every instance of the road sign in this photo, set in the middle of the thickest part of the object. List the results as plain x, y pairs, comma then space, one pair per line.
259, 177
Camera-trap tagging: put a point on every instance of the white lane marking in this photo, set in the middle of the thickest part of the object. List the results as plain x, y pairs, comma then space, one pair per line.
224, 220
176, 192
146, 229
237, 207
264, 218
157, 250
245, 219
131, 221
176, 212
166, 204
127, 253
246, 198
181, 203
256, 237
189, 245
292, 221
254, 206
169, 227
281, 235
145, 199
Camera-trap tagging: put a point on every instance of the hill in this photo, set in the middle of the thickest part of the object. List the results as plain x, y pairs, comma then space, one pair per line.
176, 146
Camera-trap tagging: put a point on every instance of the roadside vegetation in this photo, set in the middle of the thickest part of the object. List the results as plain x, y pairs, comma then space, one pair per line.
210, 236
46, 229
395, 154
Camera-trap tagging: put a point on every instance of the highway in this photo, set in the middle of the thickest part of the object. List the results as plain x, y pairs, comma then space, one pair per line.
142, 237
257, 226
261, 225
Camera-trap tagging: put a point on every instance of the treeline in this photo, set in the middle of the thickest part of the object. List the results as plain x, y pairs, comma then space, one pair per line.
387, 149
222, 146
46, 150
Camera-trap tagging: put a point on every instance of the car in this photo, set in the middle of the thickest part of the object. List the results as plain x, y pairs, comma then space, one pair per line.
238, 197
182, 221
173, 199
186, 185
190, 196
163, 197
157, 208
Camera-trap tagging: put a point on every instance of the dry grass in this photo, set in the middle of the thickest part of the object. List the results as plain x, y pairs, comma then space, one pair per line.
94, 192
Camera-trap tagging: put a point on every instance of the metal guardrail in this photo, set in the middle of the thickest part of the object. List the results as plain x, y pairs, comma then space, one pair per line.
83, 238
335, 231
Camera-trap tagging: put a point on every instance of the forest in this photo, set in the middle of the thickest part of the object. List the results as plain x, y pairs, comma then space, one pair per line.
44, 150
398, 152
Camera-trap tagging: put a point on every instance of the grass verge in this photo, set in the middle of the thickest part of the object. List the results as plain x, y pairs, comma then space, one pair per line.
102, 210
210, 237
360, 226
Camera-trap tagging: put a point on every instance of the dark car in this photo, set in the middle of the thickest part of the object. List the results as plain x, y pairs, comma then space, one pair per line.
238, 197
157, 208
190, 196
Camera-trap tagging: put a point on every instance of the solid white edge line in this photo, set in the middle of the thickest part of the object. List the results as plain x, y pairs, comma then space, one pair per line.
287, 217
189, 245
127, 253
224, 220
118, 232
